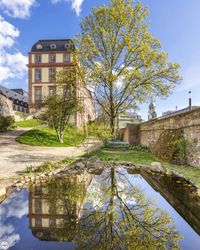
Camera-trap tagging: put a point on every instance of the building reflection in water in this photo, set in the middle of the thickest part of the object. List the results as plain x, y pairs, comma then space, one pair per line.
55, 209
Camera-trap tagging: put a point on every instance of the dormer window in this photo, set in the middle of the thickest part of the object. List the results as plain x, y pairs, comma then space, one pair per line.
39, 46
53, 46
67, 46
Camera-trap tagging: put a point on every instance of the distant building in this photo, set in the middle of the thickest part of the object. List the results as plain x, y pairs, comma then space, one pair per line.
11, 101
21, 92
45, 59
128, 118
176, 112
152, 112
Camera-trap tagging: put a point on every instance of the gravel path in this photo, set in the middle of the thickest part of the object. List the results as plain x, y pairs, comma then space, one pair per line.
15, 157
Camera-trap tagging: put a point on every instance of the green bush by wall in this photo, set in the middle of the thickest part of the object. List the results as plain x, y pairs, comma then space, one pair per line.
6, 123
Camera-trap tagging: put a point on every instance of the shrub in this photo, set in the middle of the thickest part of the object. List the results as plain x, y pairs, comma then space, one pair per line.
23, 116
122, 146
183, 148
6, 123
100, 131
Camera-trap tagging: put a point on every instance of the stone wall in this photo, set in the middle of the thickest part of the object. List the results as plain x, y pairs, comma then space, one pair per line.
183, 197
6, 106
131, 134
188, 122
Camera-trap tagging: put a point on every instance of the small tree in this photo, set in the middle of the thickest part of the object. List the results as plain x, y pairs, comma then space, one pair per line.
60, 107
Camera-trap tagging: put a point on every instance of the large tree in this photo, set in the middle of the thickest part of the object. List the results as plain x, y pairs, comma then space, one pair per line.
121, 59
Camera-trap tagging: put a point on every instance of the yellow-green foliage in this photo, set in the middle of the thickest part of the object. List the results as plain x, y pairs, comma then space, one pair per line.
121, 58
100, 131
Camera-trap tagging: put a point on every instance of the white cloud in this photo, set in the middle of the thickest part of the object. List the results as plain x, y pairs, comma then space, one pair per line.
22, 8
17, 62
12, 65
76, 4
8, 33
17, 8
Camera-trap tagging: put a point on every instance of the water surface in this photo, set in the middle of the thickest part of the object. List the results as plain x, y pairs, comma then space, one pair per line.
118, 209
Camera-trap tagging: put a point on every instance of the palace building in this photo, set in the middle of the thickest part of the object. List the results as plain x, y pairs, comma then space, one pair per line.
45, 59
13, 101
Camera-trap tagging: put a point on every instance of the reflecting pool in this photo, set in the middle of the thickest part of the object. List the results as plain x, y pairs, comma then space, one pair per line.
117, 209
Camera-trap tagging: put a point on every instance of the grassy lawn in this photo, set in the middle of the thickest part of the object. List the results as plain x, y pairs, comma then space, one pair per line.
136, 157
47, 137
28, 123
145, 158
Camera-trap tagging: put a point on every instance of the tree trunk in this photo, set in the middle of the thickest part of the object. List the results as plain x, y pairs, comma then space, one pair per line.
112, 117
112, 126
60, 136
112, 196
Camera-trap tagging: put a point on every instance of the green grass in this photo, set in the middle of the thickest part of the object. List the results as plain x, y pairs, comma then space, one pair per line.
47, 137
189, 172
144, 158
28, 123
48, 166
135, 157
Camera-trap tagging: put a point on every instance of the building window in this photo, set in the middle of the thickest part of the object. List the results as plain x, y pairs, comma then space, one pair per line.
52, 58
39, 46
14, 107
38, 74
38, 222
53, 46
52, 90
52, 222
38, 190
52, 75
67, 46
38, 206
38, 95
67, 58
38, 58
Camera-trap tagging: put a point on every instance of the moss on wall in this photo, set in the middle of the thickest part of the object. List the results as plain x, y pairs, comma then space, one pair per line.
164, 147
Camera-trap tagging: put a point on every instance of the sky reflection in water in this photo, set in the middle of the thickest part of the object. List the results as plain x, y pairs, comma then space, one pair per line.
114, 210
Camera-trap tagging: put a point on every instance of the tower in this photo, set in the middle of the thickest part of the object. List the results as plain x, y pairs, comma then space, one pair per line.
152, 112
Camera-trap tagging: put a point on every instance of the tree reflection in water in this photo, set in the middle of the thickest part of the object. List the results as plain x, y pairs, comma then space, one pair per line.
119, 216
111, 212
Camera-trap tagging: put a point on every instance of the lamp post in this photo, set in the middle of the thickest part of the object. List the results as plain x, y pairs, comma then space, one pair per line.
190, 100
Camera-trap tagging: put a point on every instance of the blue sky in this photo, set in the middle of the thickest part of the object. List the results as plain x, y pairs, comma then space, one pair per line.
176, 23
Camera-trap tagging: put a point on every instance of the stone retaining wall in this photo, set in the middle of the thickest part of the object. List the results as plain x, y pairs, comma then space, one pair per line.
188, 122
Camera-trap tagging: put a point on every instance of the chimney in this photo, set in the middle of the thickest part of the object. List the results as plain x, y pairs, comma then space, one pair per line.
190, 100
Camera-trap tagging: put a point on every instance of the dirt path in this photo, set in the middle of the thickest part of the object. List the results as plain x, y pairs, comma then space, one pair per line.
15, 157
